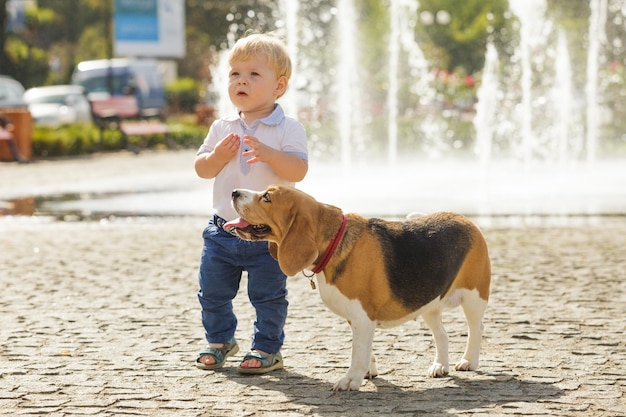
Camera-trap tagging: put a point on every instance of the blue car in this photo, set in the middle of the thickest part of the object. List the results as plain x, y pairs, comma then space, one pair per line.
122, 88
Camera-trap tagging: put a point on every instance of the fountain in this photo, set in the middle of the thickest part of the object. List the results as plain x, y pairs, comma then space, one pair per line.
392, 94
563, 99
531, 16
347, 82
289, 100
486, 107
529, 131
381, 113
402, 20
596, 36
351, 121
382, 143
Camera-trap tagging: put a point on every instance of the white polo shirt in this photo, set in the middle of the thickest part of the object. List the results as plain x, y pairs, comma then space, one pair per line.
276, 130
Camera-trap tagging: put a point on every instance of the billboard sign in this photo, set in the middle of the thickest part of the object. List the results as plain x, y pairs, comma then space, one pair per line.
149, 28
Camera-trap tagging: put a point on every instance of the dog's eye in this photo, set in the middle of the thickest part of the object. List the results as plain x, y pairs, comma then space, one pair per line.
266, 198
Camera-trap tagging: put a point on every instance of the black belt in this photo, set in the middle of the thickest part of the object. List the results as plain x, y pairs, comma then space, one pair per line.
220, 222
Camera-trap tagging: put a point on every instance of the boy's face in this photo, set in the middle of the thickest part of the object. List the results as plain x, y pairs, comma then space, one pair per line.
253, 85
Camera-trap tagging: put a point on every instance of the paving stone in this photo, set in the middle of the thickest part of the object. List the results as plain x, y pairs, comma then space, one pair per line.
102, 319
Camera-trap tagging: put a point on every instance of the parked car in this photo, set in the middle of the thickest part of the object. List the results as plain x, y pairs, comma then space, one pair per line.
122, 88
11, 93
58, 105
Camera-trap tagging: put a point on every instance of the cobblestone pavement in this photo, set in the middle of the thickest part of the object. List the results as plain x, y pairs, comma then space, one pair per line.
101, 318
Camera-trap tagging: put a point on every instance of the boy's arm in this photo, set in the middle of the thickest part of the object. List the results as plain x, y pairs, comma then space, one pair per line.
289, 167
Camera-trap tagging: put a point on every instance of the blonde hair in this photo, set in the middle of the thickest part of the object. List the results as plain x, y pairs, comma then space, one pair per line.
266, 44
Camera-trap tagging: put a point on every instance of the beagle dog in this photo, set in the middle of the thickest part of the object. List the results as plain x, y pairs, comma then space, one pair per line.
373, 272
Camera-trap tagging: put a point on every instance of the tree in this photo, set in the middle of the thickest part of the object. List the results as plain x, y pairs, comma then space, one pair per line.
19, 56
458, 31
6, 66
209, 25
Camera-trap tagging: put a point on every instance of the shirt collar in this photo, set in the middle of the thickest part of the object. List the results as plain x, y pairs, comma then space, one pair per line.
272, 120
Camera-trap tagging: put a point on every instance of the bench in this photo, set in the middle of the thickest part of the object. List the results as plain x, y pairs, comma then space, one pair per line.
120, 114
5, 134
142, 128
7, 137
131, 127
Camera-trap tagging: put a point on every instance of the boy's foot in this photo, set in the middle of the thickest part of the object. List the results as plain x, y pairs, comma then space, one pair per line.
258, 362
214, 356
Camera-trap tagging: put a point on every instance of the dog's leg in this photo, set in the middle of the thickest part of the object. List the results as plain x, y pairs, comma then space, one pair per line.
434, 322
474, 308
362, 338
373, 371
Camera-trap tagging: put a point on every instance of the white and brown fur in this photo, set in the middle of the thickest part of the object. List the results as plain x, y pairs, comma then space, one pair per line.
382, 274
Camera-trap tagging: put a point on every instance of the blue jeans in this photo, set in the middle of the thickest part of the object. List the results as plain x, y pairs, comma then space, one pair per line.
224, 258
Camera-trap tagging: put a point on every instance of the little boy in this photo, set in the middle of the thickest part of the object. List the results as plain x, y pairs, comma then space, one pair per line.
252, 149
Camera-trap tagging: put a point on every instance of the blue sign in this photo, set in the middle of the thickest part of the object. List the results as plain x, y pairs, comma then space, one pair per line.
136, 28
136, 20
148, 7
149, 28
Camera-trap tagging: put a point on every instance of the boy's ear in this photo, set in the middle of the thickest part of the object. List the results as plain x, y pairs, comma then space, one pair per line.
281, 86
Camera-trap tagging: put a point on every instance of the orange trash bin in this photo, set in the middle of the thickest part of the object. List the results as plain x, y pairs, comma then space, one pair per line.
22, 134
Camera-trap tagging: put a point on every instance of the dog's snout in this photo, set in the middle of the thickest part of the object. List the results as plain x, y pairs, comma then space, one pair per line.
235, 194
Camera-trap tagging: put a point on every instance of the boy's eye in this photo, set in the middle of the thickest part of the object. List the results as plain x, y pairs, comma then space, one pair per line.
255, 73
234, 74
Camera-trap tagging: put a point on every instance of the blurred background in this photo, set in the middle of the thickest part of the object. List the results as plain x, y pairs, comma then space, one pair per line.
469, 91
374, 78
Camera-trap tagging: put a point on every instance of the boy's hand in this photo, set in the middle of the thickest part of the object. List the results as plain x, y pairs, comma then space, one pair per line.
227, 148
259, 152
287, 166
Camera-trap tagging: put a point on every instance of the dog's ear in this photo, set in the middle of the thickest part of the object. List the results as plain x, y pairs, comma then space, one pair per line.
297, 249
273, 247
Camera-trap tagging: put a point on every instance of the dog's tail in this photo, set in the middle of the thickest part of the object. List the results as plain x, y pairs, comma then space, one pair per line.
414, 215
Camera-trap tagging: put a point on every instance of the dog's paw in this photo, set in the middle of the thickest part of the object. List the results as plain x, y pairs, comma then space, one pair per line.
373, 372
465, 365
348, 383
437, 370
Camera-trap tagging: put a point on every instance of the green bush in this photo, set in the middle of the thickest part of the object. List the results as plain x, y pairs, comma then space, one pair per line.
82, 139
66, 141
182, 95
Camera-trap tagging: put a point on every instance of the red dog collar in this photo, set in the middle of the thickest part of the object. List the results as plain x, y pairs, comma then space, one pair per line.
330, 249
